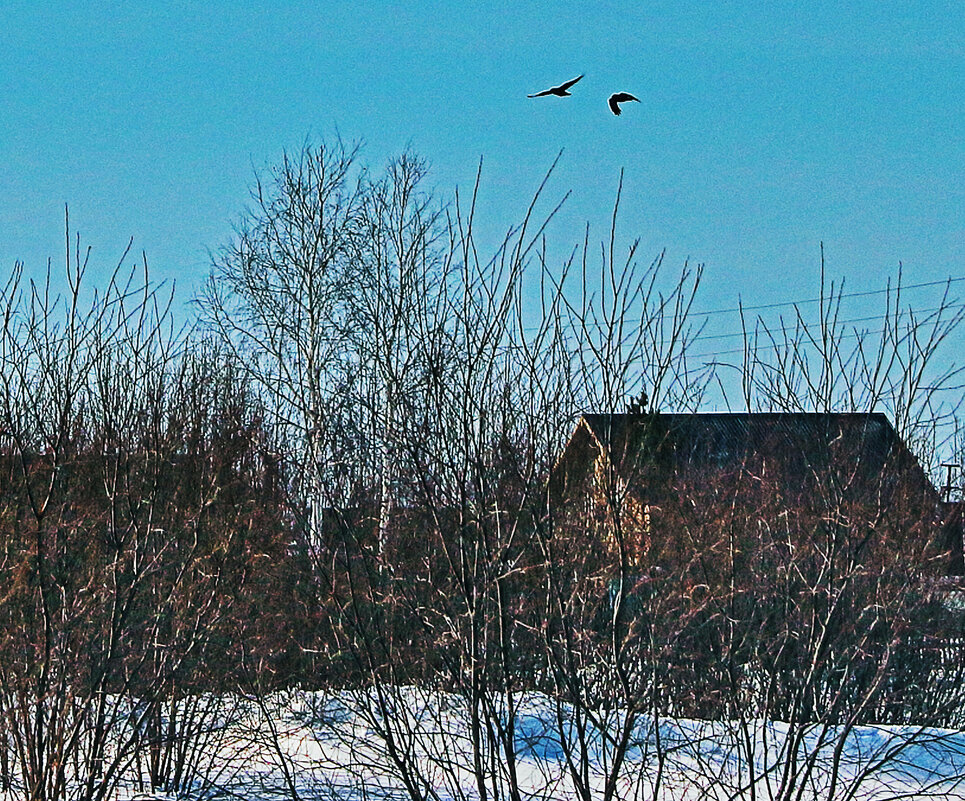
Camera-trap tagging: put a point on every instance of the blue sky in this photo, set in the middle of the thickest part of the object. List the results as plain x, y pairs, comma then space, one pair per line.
763, 130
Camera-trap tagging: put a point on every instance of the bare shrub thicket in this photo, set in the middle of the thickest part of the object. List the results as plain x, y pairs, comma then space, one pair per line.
138, 522
426, 441
352, 483
824, 569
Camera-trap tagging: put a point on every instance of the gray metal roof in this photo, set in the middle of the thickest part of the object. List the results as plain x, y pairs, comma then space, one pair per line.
719, 438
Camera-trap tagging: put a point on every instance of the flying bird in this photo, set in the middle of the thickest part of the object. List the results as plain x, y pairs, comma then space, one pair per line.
620, 97
559, 91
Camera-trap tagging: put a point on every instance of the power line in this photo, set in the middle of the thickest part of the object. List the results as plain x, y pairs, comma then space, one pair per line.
794, 303
784, 329
776, 346
867, 293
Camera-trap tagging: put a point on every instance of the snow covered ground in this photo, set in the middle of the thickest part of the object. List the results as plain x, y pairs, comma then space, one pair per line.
418, 743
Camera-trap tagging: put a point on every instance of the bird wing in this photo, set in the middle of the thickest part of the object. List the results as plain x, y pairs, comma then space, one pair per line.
620, 97
557, 90
568, 84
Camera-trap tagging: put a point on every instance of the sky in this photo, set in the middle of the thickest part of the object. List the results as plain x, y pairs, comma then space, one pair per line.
764, 129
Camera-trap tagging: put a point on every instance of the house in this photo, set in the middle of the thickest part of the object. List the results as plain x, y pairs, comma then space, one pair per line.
624, 473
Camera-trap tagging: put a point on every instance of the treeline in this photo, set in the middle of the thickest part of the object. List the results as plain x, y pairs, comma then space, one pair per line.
342, 478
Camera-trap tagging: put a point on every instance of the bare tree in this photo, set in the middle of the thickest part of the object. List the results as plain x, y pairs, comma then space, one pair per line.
285, 296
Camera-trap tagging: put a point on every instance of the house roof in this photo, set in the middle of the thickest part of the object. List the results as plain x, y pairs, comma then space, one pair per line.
718, 439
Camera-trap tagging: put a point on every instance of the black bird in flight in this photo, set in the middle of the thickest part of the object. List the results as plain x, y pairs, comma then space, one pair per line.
559, 91
620, 97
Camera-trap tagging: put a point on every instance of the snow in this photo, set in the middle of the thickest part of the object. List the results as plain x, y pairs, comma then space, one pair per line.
341, 746
403, 741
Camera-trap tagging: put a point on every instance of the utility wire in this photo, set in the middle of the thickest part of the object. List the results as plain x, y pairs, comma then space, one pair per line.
867, 293
784, 329
775, 346
795, 303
